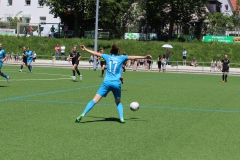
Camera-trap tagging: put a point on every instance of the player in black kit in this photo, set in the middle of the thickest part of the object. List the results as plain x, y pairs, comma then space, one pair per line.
75, 56
225, 68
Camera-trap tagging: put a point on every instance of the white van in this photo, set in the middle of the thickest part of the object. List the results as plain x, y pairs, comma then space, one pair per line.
45, 30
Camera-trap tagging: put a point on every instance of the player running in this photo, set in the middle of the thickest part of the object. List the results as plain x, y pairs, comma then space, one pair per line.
27, 57
2, 59
111, 80
102, 62
225, 68
75, 56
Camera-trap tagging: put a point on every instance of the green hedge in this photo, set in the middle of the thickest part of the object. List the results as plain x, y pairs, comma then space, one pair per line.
204, 52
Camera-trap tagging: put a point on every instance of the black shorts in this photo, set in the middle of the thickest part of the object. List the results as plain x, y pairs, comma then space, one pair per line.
159, 64
24, 61
225, 69
75, 62
184, 57
103, 63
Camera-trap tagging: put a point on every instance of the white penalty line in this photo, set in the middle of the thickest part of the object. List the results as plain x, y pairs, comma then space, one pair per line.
56, 79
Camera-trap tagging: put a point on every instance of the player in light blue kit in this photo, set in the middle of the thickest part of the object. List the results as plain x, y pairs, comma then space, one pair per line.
30, 56
111, 80
2, 59
27, 59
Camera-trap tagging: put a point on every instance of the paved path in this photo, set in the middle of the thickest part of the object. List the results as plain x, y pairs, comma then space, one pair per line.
85, 64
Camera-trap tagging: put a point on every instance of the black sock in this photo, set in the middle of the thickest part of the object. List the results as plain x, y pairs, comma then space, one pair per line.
78, 72
73, 73
102, 72
21, 66
223, 77
29, 68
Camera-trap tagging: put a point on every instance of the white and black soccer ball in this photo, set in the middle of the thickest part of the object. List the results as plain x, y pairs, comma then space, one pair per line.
134, 106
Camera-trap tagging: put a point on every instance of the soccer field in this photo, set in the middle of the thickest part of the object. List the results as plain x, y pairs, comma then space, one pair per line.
181, 117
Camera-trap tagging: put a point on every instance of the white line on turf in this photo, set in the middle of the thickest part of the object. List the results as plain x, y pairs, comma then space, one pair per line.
56, 79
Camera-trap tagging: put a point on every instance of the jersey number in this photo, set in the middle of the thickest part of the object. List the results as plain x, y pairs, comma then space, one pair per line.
112, 66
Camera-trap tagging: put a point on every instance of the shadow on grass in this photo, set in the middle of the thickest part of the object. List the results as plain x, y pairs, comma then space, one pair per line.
110, 119
4, 86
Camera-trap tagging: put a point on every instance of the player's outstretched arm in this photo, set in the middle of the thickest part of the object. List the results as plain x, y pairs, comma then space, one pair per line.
90, 51
140, 57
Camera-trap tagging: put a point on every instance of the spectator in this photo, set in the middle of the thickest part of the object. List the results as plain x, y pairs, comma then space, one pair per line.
213, 65
164, 62
34, 56
31, 30
91, 59
65, 31
52, 30
184, 57
141, 62
149, 62
168, 53
62, 52
25, 31
194, 62
57, 51
219, 65
159, 62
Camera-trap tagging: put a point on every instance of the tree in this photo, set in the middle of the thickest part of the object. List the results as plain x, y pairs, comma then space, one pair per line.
172, 12
72, 12
112, 14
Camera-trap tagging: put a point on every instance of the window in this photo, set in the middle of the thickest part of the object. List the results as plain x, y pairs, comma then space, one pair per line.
40, 3
27, 20
9, 19
28, 2
9, 2
42, 20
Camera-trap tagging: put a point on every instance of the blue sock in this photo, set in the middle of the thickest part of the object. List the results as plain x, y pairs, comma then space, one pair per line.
89, 106
120, 110
4, 75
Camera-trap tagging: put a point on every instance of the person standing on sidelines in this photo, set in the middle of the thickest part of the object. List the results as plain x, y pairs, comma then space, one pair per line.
159, 62
184, 54
63, 48
225, 68
2, 59
52, 30
57, 51
111, 80
75, 57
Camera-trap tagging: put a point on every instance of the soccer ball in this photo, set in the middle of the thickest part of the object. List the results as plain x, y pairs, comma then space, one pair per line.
134, 106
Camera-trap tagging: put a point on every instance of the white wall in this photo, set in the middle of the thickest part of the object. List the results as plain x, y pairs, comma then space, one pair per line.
226, 7
20, 9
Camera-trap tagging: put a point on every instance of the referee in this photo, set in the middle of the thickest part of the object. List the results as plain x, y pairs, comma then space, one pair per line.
225, 68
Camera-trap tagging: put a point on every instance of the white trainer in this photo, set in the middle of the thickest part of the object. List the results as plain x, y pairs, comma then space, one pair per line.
8, 79
74, 78
80, 77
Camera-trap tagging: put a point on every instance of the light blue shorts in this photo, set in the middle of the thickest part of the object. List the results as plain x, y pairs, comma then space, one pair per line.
107, 86
29, 61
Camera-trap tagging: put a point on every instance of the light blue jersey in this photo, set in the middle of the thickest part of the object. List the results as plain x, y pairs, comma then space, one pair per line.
111, 81
2, 55
29, 55
114, 66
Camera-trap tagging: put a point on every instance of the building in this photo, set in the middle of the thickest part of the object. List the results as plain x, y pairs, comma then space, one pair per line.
27, 11
227, 7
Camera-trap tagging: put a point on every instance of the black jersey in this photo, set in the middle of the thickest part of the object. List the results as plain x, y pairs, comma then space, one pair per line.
225, 62
24, 57
75, 56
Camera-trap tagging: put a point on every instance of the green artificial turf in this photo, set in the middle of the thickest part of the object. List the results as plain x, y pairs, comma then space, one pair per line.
181, 116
